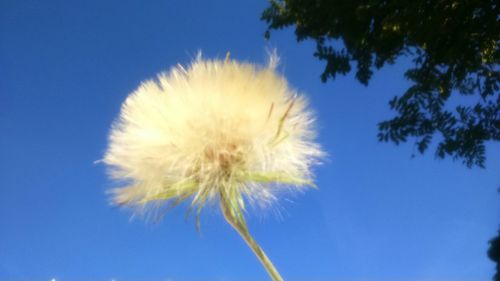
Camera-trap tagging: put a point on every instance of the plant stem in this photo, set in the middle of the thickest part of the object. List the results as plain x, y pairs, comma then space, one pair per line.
243, 231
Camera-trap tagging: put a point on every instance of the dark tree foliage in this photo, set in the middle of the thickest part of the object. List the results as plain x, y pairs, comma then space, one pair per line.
454, 46
494, 254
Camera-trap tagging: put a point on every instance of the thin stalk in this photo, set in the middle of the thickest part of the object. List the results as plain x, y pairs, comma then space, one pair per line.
257, 250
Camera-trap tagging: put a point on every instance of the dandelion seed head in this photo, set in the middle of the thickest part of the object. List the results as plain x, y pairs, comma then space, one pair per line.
216, 131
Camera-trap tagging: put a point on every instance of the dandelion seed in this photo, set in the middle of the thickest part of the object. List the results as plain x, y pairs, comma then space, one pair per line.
219, 131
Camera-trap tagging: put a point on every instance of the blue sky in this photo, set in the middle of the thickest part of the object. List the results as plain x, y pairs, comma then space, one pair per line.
65, 68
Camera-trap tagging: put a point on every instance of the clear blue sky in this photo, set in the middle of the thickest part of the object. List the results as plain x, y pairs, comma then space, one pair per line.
65, 68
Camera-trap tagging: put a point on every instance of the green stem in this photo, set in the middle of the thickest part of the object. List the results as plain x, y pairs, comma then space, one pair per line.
243, 231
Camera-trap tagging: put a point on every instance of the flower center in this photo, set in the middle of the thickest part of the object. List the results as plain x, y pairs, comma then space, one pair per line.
223, 159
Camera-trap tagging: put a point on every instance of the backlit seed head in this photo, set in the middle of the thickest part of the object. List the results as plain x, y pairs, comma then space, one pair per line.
217, 131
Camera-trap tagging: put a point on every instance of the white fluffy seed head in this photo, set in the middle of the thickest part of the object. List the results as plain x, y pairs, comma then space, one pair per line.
216, 131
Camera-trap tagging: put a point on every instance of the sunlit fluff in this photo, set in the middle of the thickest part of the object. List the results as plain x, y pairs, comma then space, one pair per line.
216, 131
